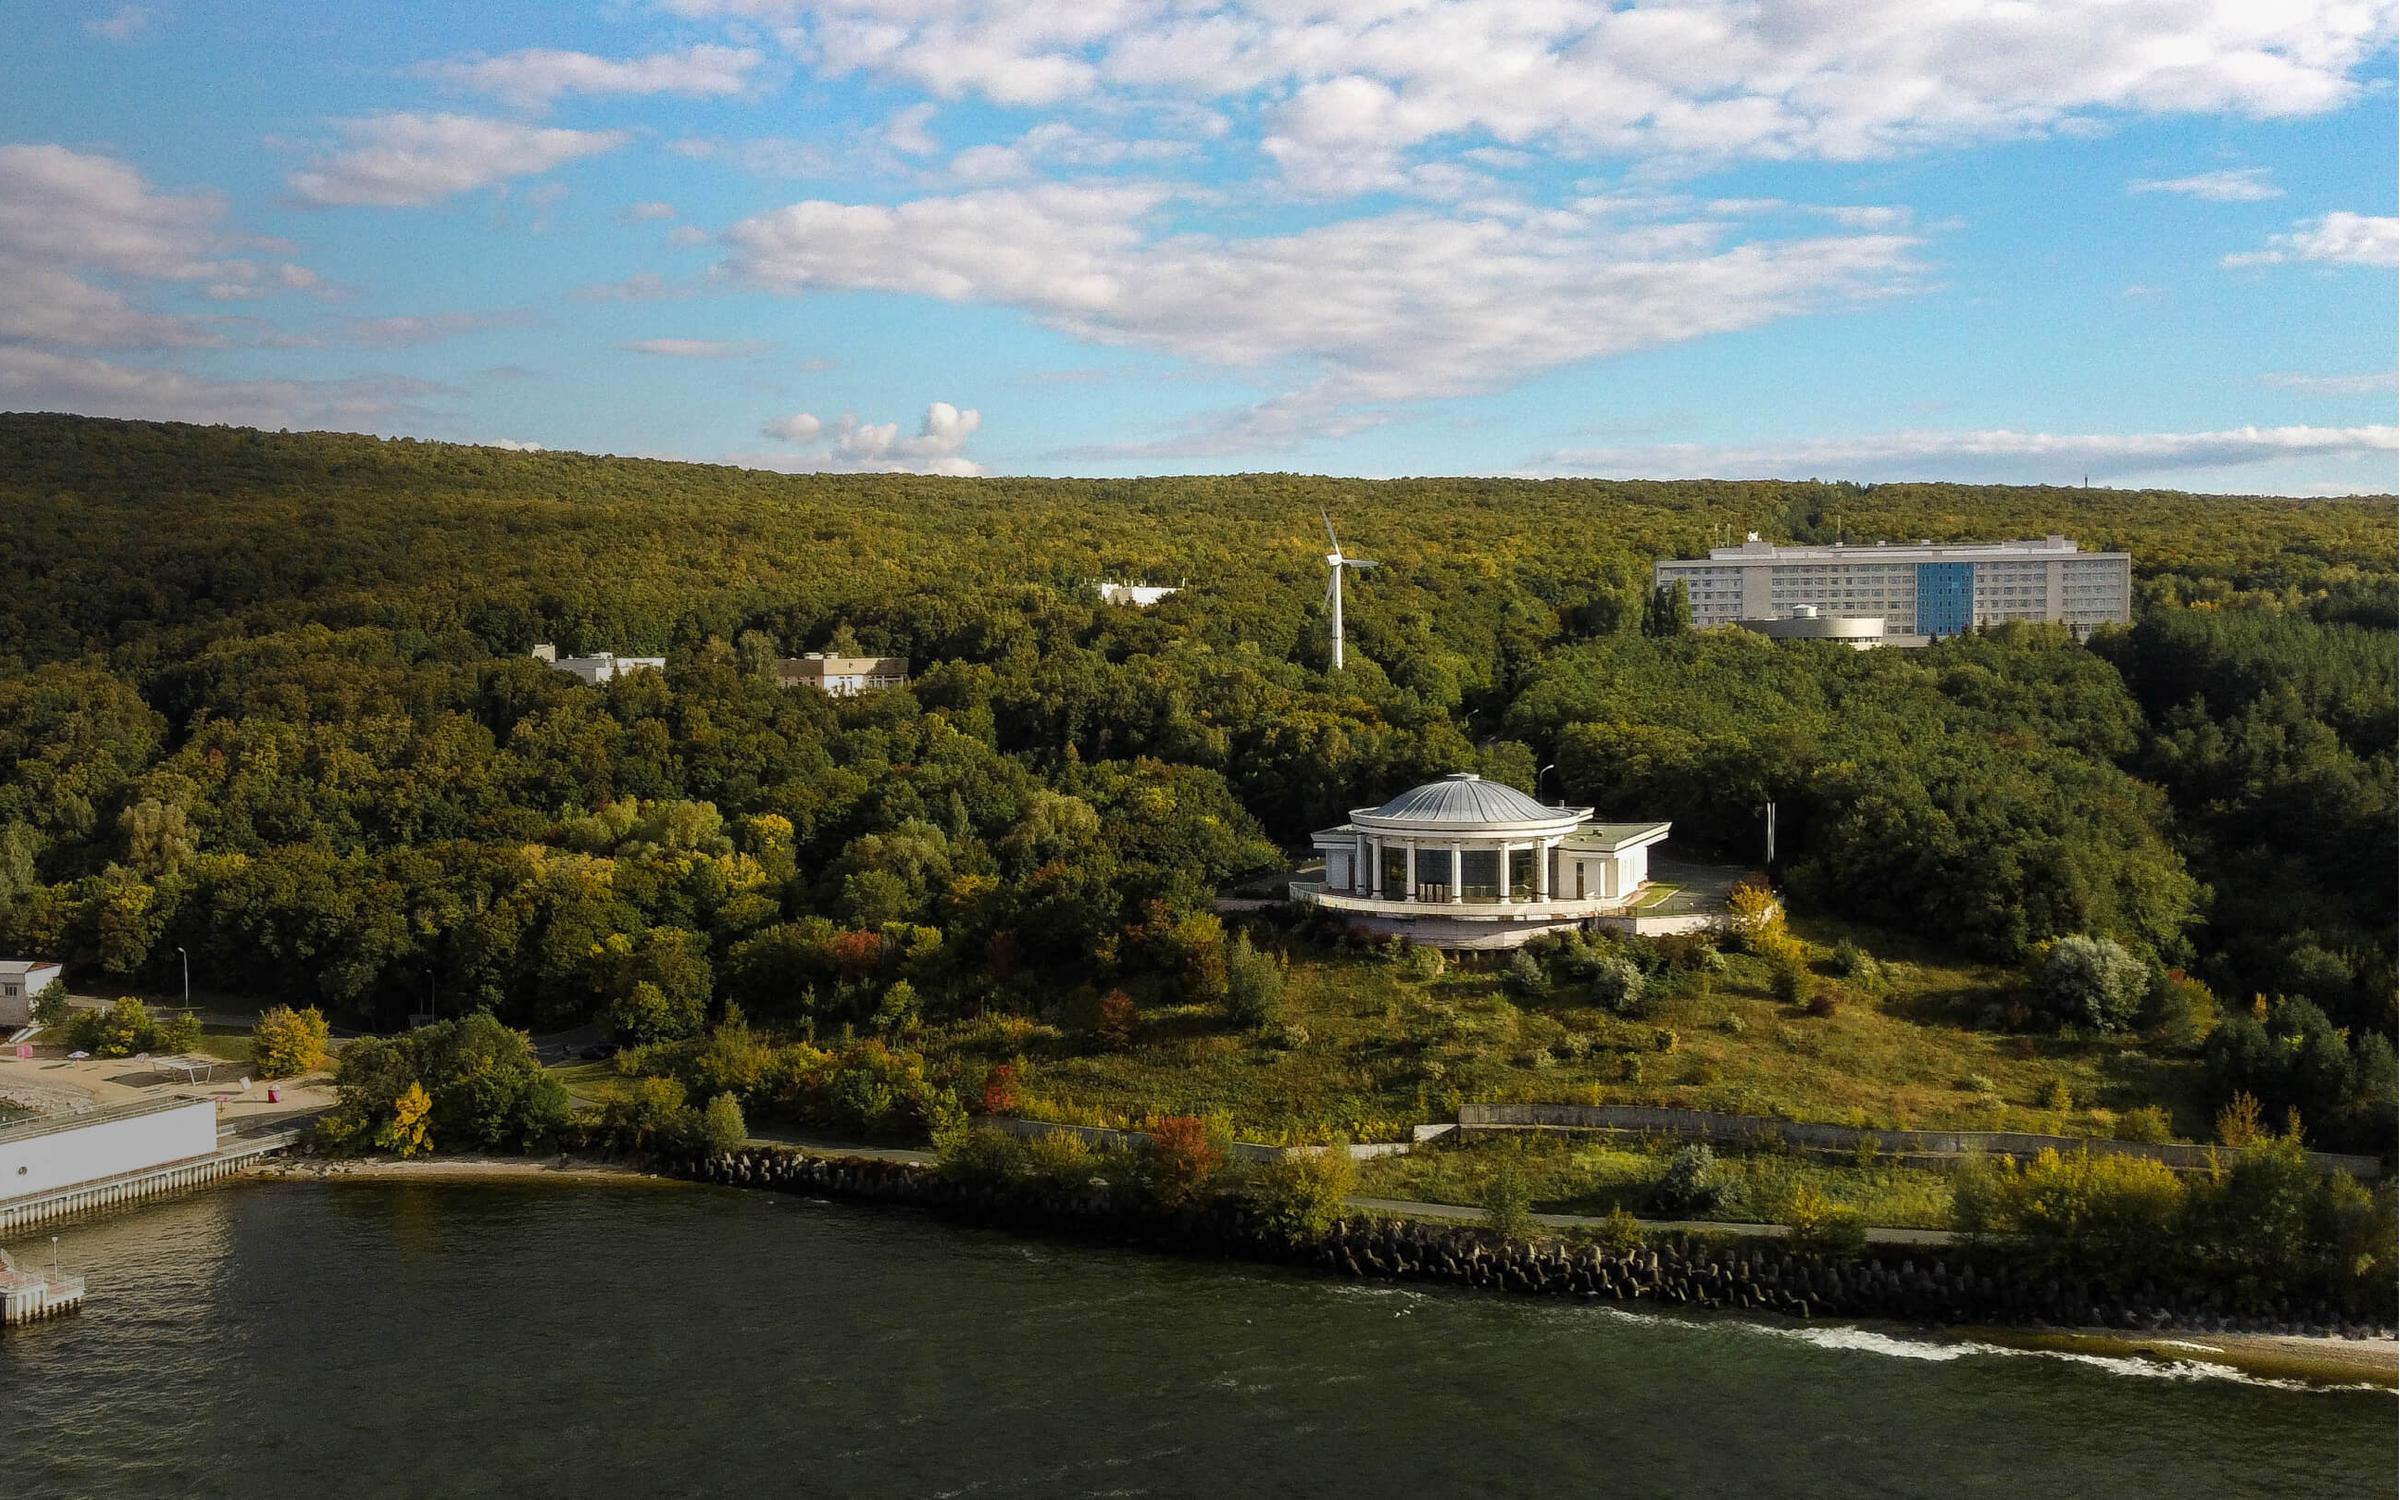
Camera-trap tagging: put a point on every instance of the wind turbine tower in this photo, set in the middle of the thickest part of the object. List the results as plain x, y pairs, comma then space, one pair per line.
1334, 564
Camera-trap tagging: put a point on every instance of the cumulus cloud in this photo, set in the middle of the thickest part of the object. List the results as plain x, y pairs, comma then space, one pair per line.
537, 76
404, 160
1396, 307
2026, 457
84, 236
2234, 185
2337, 239
698, 348
908, 131
1352, 86
854, 447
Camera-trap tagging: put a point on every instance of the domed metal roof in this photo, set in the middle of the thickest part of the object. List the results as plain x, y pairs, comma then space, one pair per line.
1464, 799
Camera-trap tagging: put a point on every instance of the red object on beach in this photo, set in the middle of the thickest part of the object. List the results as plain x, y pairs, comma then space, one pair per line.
274, 1097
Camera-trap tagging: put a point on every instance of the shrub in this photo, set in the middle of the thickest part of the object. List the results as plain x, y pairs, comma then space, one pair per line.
179, 1032
286, 1042
1751, 911
1508, 1203
1302, 1195
721, 1126
1253, 986
2092, 981
1819, 1224
1422, 963
488, 1091
1824, 1003
1185, 1156
1790, 980
2058, 1097
2237, 1122
1691, 1183
2148, 1124
1732, 1024
52, 1008
119, 1029
2180, 1010
1617, 984
999, 1096
981, 1153
1849, 958
408, 1131
1524, 978
1619, 1232
643, 1114
2097, 1211
1115, 1021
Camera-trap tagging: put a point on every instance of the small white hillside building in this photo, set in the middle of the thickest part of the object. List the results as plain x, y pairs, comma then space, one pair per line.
1139, 595
22, 981
1467, 863
606, 667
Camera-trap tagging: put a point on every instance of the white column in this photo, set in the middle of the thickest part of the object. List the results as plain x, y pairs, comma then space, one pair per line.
1458, 875
1541, 871
1411, 893
1508, 890
1360, 880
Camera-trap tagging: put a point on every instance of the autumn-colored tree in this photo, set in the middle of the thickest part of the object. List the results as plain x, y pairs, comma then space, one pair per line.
287, 1041
1000, 1089
1115, 1023
1185, 1157
407, 1132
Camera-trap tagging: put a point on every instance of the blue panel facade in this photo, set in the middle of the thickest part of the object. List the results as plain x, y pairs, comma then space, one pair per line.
1945, 598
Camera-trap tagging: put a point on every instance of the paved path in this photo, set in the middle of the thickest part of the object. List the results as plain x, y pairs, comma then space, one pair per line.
1460, 1213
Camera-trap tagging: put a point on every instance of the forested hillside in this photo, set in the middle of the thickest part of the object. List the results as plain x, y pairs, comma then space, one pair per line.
266, 697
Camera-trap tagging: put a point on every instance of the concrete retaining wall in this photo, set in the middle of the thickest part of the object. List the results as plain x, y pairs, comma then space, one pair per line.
1736, 1129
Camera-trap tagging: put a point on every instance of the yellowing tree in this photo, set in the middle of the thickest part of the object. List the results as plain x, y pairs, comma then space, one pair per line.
407, 1133
288, 1041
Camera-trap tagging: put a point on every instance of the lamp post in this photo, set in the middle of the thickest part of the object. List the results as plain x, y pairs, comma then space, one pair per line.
1538, 775
187, 977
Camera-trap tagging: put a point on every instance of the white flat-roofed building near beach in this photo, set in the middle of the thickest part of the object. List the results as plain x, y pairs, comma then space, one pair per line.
1466, 863
1920, 591
22, 981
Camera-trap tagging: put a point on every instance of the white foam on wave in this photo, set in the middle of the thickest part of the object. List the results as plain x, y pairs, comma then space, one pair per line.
1870, 1341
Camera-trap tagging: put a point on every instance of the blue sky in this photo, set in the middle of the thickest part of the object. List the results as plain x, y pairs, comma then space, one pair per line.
1874, 239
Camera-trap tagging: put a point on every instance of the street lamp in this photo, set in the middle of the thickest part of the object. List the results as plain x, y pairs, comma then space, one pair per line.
187, 977
1538, 775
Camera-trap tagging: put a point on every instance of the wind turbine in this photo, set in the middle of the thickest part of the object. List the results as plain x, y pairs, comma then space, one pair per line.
1335, 563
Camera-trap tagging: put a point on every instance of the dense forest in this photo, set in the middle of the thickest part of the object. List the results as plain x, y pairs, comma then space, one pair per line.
266, 698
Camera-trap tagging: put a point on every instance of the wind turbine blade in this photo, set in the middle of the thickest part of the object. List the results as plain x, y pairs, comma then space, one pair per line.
1333, 584
1359, 562
1329, 536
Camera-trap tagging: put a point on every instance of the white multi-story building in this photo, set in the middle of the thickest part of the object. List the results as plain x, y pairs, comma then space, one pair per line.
1919, 591
842, 676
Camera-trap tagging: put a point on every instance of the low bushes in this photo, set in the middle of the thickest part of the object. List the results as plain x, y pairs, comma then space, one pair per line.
126, 1026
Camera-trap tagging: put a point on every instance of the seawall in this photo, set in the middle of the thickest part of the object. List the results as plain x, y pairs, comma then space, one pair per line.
1957, 1285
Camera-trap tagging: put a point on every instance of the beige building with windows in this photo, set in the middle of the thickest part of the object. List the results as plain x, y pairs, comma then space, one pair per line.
1920, 592
842, 676
1465, 863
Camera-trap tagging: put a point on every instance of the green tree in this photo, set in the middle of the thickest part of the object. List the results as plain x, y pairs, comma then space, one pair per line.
2092, 981
286, 1042
1253, 985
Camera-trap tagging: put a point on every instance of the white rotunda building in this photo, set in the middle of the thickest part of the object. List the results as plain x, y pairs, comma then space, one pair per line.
1465, 863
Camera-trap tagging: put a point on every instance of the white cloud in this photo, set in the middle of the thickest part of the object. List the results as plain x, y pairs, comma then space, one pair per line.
537, 76
907, 132
1353, 85
83, 235
426, 328
638, 212
43, 380
698, 348
405, 160
1396, 307
123, 24
2026, 457
879, 448
2334, 385
2234, 185
2337, 238
510, 445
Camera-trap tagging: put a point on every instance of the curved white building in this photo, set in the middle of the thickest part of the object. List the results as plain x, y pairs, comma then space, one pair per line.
1468, 863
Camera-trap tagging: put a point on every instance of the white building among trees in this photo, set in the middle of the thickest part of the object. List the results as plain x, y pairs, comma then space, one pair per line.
1467, 863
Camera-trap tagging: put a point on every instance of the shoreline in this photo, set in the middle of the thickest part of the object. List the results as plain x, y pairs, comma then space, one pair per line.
2314, 1361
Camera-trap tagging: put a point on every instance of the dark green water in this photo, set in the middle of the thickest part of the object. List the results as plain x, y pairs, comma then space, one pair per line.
539, 1340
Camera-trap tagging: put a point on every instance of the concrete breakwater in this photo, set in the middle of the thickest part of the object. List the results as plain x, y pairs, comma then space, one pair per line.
1955, 1285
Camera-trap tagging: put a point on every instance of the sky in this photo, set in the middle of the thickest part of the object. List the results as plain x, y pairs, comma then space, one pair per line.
2151, 242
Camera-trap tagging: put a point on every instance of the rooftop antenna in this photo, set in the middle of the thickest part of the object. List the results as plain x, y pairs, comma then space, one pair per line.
1335, 563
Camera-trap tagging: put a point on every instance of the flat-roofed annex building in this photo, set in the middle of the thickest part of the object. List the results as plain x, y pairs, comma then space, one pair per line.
842, 676
1468, 863
1920, 591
